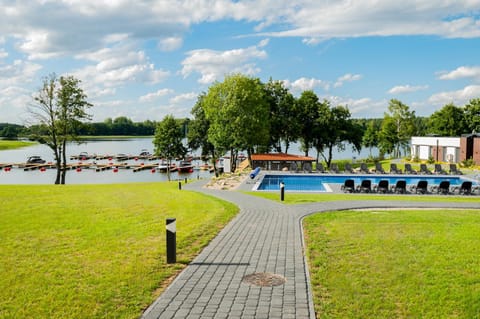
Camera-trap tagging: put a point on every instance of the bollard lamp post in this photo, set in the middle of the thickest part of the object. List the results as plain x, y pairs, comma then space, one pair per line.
282, 191
171, 224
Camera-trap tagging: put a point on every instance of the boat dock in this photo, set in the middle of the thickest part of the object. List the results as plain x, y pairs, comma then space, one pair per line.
98, 167
118, 157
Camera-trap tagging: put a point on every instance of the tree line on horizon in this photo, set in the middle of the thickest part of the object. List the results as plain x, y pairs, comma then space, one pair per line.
244, 114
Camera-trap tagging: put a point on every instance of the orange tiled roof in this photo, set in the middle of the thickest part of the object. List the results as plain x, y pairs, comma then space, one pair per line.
280, 157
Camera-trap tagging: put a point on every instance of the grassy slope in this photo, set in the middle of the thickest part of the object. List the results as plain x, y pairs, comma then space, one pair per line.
10, 145
395, 264
96, 251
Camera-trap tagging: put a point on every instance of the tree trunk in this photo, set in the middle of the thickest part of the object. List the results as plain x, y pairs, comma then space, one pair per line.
56, 154
169, 162
64, 162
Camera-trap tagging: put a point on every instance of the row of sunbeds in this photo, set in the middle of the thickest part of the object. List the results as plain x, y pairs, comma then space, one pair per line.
400, 187
438, 169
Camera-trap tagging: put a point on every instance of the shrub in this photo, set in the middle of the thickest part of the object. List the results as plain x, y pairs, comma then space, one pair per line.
468, 162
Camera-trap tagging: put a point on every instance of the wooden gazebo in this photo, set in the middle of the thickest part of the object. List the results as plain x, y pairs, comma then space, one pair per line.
282, 162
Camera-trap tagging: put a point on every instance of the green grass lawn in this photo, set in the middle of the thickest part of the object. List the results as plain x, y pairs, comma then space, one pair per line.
10, 145
96, 251
298, 198
395, 263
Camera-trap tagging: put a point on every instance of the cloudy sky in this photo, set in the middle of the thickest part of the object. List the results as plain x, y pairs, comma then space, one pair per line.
146, 59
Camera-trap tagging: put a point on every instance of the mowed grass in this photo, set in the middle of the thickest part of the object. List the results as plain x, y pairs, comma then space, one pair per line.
96, 251
298, 198
395, 263
10, 145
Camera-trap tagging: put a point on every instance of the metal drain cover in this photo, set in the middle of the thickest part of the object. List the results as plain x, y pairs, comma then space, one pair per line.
264, 279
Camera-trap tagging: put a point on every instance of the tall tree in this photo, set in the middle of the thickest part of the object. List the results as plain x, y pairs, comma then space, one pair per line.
307, 107
448, 121
198, 131
238, 113
472, 116
335, 127
284, 124
370, 137
388, 138
168, 140
58, 107
403, 121
72, 106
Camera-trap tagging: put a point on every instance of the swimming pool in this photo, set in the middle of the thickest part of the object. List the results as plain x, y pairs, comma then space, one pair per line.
319, 183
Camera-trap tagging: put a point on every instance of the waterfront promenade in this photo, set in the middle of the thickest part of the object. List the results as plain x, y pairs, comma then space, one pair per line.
264, 239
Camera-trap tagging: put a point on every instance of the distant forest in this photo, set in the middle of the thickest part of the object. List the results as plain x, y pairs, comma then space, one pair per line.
120, 126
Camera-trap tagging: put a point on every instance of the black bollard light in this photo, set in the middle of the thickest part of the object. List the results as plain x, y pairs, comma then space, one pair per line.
282, 191
185, 180
180, 185
171, 241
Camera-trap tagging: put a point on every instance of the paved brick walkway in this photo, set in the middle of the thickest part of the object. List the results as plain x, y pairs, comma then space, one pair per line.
265, 237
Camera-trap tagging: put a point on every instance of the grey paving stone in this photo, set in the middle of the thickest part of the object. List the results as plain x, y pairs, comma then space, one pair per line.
264, 237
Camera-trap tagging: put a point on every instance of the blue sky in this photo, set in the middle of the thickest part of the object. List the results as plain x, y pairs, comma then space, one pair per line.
147, 59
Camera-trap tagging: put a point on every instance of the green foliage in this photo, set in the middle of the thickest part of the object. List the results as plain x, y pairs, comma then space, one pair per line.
168, 139
448, 121
397, 128
238, 113
308, 109
431, 160
370, 137
284, 123
469, 162
333, 128
198, 129
472, 116
59, 108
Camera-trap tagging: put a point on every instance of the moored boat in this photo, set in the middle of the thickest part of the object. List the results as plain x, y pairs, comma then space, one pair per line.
163, 166
185, 167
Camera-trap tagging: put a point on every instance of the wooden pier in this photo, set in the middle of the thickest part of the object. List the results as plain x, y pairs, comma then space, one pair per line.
98, 166
117, 157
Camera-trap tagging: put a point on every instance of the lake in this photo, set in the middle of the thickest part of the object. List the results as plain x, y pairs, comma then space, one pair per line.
129, 146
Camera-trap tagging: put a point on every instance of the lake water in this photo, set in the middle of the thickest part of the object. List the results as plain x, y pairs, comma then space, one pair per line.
111, 147
90, 176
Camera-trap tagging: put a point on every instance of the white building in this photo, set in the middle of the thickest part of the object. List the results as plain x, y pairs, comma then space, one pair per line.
441, 149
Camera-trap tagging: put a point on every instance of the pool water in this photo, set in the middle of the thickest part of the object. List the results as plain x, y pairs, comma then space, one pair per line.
318, 183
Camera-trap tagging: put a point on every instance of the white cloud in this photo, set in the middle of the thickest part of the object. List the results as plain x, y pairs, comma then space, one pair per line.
461, 72
459, 97
304, 84
347, 78
3, 54
18, 73
155, 95
13, 104
362, 107
399, 89
319, 20
170, 43
118, 65
82, 25
182, 98
213, 65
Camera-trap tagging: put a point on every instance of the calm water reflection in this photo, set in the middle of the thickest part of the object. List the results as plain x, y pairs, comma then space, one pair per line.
88, 176
111, 147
